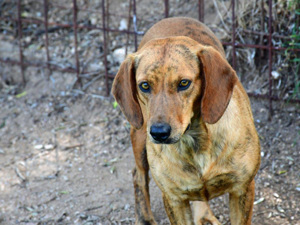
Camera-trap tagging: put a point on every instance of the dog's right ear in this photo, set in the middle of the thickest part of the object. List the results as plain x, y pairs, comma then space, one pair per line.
124, 89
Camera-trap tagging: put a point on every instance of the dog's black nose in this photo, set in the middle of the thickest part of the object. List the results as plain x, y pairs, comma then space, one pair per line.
160, 132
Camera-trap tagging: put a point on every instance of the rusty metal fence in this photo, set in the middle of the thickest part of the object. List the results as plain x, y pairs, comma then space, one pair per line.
133, 32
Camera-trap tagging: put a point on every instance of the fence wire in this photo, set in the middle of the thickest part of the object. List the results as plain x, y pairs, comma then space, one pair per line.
102, 18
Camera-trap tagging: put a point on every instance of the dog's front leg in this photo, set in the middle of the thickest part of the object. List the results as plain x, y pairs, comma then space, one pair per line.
179, 212
241, 206
143, 213
203, 213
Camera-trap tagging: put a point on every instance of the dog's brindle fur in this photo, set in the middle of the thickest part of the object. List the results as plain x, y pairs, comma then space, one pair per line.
213, 147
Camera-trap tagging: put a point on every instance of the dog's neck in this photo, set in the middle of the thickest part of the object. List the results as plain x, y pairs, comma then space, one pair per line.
192, 149
196, 147
194, 138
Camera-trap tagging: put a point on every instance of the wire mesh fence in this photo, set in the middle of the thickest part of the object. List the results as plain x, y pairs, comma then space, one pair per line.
92, 37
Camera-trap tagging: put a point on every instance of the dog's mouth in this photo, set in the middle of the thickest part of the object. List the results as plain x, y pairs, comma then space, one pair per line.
188, 127
169, 141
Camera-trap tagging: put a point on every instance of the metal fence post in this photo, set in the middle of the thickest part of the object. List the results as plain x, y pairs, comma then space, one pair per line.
135, 25
166, 8
233, 35
270, 59
46, 35
105, 46
21, 20
201, 10
75, 10
20, 36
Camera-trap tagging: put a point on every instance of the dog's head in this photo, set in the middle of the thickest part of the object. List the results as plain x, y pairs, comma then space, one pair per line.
168, 82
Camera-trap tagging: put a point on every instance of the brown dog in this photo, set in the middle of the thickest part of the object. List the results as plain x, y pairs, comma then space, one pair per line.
191, 124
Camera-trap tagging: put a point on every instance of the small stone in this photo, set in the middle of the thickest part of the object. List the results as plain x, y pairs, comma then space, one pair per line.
281, 210
275, 75
119, 54
107, 138
123, 25
38, 147
49, 147
127, 207
93, 20
259, 201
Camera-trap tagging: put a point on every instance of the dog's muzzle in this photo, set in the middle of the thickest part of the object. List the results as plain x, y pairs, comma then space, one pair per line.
160, 132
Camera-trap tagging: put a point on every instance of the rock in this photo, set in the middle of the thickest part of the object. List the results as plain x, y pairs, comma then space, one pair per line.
95, 66
259, 201
119, 55
275, 75
38, 147
123, 25
276, 195
127, 207
49, 147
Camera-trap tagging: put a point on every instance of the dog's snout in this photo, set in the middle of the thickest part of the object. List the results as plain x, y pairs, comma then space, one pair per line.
160, 132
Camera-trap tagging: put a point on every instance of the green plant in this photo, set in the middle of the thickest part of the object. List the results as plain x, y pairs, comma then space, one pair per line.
294, 56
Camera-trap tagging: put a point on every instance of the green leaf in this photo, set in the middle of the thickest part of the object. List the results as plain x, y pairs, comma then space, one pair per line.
296, 60
115, 104
295, 44
282, 172
60, 128
24, 14
21, 94
110, 162
112, 170
2, 124
295, 36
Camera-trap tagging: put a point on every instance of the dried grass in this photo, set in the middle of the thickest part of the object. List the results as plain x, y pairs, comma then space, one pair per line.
253, 16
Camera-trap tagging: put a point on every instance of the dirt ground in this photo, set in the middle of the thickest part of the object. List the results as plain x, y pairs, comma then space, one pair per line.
65, 152
66, 158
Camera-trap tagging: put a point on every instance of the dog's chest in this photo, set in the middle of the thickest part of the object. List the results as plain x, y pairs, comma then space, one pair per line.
181, 178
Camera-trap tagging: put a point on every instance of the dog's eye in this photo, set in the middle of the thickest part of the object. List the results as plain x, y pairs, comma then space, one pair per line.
145, 87
183, 85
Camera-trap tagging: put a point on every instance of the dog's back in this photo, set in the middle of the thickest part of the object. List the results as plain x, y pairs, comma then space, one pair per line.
183, 26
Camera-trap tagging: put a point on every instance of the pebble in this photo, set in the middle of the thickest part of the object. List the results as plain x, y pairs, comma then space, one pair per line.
259, 201
276, 195
127, 207
123, 25
275, 75
119, 55
38, 147
49, 147
281, 210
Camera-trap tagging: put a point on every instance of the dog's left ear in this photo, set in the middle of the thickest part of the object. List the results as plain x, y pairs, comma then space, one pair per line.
124, 89
219, 78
